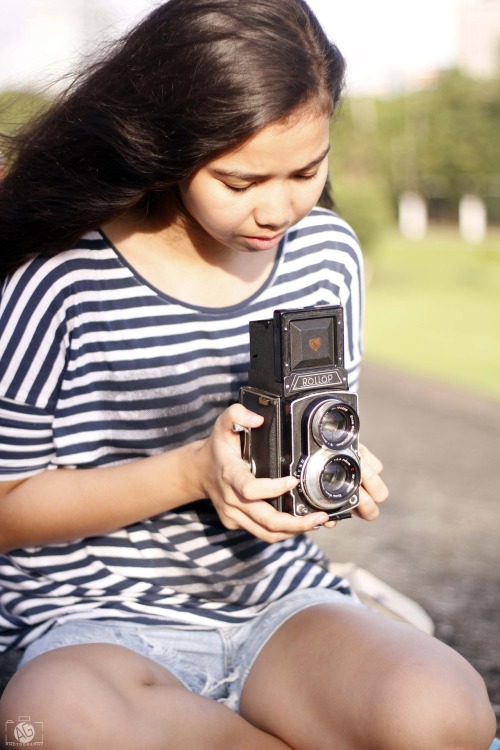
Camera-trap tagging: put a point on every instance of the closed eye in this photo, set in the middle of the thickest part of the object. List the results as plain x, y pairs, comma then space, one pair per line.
306, 176
301, 177
234, 189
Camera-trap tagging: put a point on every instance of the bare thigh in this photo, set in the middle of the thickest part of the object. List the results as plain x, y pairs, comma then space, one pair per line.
345, 678
107, 697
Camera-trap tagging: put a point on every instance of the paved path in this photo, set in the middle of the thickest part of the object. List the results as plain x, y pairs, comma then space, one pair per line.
438, 537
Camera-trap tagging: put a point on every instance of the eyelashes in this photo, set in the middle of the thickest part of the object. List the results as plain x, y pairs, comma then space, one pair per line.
299, 177
238, 189
306, 176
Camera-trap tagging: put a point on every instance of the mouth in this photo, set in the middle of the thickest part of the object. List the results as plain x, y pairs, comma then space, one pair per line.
264, 242
259, 237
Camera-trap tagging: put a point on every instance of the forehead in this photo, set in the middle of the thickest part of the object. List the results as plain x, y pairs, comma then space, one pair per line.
282, 146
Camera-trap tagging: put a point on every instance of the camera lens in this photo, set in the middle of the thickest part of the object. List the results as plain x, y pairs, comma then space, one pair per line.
335, 424
340, 478
330, 482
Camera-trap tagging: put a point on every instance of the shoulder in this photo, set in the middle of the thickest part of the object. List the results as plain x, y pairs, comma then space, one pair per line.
90, 250
320, 226
60, 275
322, 220
323, 231
41, 308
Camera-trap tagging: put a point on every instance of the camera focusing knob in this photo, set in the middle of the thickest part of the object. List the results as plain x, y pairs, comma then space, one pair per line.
246, 445
301, 509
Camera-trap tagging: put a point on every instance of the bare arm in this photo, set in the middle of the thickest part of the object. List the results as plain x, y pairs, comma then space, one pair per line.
63, 504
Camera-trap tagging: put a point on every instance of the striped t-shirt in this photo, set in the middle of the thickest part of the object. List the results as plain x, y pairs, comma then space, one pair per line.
97, 367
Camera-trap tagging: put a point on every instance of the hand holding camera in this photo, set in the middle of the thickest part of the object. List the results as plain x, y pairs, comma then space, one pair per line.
299, 449
298, 385
241, 500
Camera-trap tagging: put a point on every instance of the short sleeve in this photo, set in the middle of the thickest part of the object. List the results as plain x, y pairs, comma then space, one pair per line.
26, 446
33, 351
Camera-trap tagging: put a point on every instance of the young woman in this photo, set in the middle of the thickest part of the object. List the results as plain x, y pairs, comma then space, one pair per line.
164, 202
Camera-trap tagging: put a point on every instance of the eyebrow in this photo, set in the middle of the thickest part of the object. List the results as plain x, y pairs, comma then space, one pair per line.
241, 176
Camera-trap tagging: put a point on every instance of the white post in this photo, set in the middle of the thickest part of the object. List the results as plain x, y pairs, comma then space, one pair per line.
412, 215
472, 219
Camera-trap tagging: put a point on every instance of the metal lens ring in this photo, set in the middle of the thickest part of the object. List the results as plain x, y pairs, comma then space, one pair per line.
335, 424
329, 481
340, 478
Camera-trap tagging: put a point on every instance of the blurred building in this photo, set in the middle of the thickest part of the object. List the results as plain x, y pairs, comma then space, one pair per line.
479, 38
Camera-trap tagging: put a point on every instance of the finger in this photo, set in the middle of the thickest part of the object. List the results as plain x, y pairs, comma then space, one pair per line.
240, 520
251, 498
330, 524
264, 521
281, 522
367, 508
251, 488
373, 483
237, 414
370, 459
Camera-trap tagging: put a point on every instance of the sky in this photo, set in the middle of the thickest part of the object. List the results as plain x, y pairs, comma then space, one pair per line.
383, 40
387, 39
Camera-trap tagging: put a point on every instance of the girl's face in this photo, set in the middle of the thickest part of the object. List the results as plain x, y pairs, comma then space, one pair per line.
247, 198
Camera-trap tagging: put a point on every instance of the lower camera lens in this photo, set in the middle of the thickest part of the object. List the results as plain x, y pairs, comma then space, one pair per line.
330, 482
340, 478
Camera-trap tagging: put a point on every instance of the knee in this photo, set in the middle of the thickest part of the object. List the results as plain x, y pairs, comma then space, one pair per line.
436, 705
69, 702
47, 691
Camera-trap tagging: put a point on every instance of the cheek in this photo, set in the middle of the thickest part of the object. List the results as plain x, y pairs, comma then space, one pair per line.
216, 212
307, 199
322, 178
221, 219
307, 195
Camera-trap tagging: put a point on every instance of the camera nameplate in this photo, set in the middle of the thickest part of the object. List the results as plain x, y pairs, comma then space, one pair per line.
305, 382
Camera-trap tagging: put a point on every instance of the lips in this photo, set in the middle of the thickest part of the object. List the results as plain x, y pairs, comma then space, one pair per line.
263, 243
267, 239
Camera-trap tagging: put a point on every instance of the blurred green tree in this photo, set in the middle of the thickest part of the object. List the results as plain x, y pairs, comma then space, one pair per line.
360, 188
16, 108
441, 141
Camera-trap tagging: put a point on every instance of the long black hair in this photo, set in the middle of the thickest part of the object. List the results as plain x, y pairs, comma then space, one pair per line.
192, 80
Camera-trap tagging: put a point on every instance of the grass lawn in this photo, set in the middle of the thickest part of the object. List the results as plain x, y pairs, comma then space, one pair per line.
433, 308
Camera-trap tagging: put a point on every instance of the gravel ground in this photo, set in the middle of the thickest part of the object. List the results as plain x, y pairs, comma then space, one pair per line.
437, 538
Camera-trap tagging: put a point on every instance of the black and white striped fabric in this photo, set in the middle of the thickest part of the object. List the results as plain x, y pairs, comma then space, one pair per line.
98, 367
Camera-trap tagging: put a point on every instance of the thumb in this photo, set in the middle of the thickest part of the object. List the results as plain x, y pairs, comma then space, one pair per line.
238, 417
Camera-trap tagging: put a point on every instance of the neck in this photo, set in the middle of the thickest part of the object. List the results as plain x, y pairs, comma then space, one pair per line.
178, 257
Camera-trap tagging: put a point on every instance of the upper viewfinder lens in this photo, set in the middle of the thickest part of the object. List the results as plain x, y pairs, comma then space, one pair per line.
335, 425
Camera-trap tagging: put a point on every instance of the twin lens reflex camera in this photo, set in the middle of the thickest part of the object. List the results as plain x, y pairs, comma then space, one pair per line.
298, 383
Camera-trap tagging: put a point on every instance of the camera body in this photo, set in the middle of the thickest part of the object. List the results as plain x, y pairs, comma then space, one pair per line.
297, 382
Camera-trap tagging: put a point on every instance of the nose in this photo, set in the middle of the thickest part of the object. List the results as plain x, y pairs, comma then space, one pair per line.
274, 210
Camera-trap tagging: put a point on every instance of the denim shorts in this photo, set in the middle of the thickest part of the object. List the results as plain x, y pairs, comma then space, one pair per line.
211, 662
